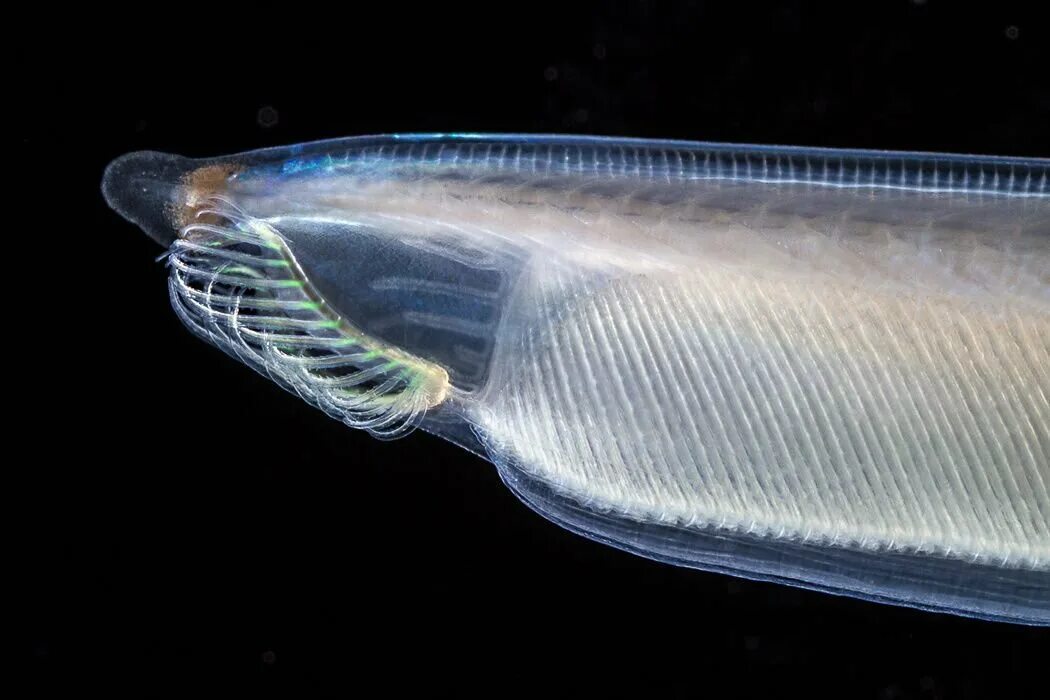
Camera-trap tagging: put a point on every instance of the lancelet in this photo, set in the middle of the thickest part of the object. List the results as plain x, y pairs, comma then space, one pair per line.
826, 368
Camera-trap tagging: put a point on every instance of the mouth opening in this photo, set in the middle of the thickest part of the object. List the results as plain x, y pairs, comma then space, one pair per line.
235, 282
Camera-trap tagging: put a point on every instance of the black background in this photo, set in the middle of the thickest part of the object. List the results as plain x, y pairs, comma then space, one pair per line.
179, 519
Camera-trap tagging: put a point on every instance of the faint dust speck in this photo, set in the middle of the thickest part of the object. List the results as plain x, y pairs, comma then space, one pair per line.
1012, 32
268, 657
267, 117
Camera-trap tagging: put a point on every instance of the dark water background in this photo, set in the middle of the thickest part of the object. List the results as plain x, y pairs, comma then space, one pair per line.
178, 520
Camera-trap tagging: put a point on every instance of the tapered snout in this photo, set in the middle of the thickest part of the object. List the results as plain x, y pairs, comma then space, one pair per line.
144, 187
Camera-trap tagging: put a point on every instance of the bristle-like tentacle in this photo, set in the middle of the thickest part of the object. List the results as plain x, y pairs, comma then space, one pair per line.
235, 282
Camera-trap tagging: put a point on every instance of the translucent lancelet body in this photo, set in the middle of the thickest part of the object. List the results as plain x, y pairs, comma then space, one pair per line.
825, 368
